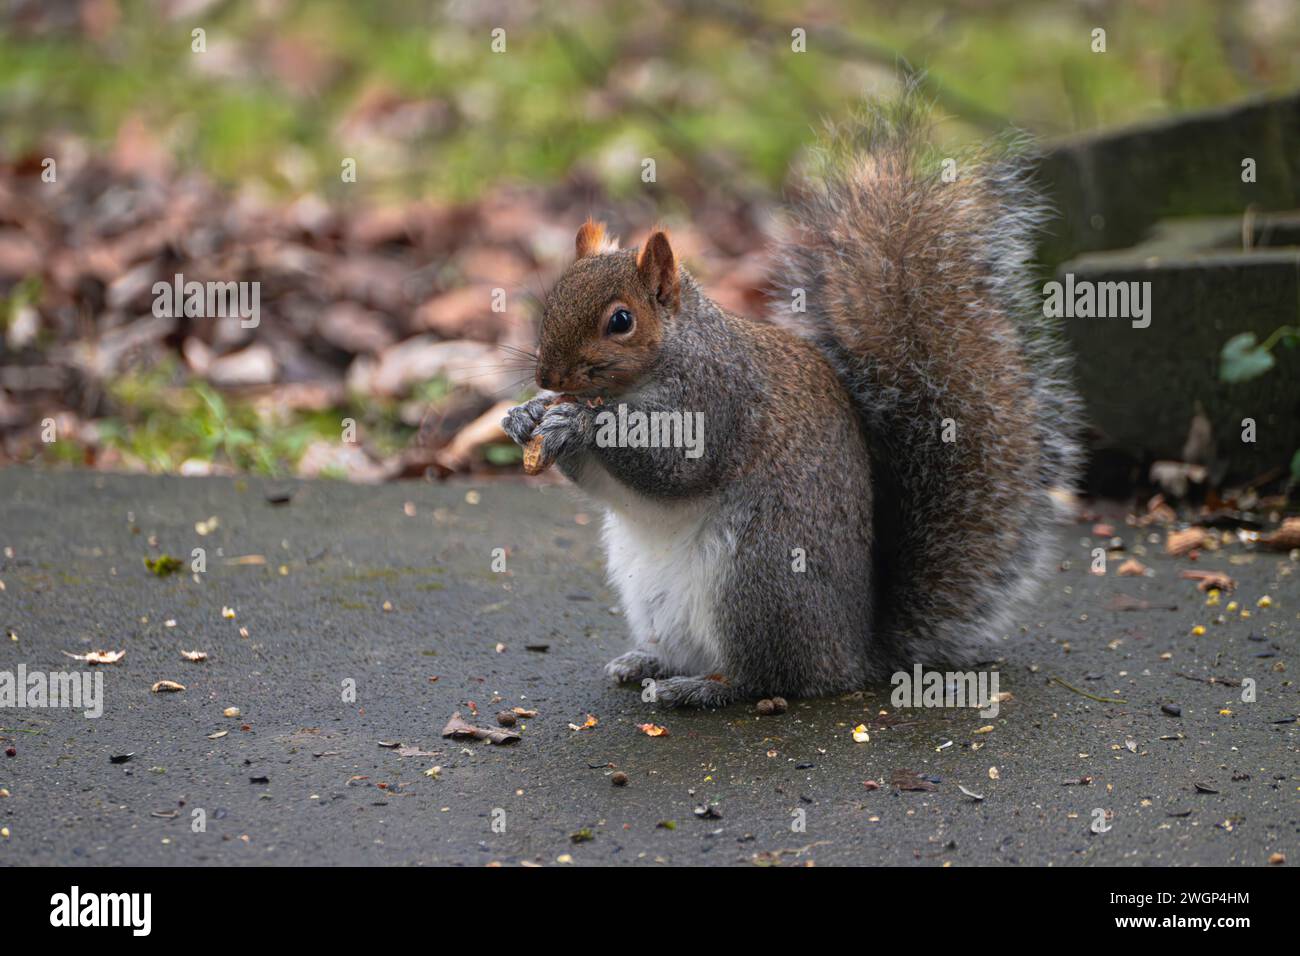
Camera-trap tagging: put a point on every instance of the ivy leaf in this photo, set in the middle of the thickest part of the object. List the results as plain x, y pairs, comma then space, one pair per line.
1242, 359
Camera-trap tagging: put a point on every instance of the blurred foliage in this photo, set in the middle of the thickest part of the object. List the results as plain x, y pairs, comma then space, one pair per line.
287, 88
161, 424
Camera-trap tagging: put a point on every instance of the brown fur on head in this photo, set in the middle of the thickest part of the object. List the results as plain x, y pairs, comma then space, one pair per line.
583, 347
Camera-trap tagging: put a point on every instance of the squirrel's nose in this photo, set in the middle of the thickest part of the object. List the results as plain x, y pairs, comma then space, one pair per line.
546, 379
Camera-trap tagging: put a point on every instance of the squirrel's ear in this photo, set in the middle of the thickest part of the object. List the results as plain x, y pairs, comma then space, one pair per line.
592, 241
657, 265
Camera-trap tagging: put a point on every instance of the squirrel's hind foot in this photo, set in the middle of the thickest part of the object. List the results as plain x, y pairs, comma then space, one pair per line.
693, 692
633, 666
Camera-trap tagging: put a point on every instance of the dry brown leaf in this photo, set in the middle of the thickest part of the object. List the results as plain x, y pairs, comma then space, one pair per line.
1284, 538
1205, 580
1179, 543
460, 729
652, 730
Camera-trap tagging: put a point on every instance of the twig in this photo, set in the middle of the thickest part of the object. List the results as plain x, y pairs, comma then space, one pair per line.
1084, 693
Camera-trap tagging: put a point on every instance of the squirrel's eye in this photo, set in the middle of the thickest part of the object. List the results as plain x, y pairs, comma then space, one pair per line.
620, 323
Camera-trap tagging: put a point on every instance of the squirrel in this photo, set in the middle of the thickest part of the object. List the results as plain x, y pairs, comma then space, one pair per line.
879, 473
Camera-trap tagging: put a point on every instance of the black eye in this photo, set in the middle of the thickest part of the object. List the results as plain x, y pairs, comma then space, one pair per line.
620, 323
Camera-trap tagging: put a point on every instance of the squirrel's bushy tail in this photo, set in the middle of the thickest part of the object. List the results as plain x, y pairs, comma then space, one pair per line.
919, 291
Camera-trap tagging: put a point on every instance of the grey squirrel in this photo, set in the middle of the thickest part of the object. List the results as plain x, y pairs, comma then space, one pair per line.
876, 477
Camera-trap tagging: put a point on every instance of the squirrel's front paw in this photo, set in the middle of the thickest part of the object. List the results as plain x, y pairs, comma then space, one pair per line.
564, 428
522, 420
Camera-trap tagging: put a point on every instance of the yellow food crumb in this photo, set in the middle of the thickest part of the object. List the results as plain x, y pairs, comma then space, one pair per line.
1198, 630
1265, 601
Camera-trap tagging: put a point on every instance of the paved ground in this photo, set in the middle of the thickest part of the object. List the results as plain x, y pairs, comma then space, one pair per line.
301, 776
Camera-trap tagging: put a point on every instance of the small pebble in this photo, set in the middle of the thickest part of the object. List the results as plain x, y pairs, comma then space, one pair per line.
618, 778
11, 751
506, 719
1173, 710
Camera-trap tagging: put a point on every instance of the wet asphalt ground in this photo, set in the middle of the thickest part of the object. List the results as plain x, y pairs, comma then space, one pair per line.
391, 591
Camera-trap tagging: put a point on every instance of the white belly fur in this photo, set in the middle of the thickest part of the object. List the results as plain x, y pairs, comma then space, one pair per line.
666, 565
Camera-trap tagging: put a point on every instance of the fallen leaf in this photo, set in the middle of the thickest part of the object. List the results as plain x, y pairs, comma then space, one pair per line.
1285, 537
163, 565
169, 686
652, 730
1179, 543
415, 752
460, 729
98, 657
1206, 580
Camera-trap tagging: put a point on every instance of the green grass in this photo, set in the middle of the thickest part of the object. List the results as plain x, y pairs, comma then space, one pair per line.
160, 423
